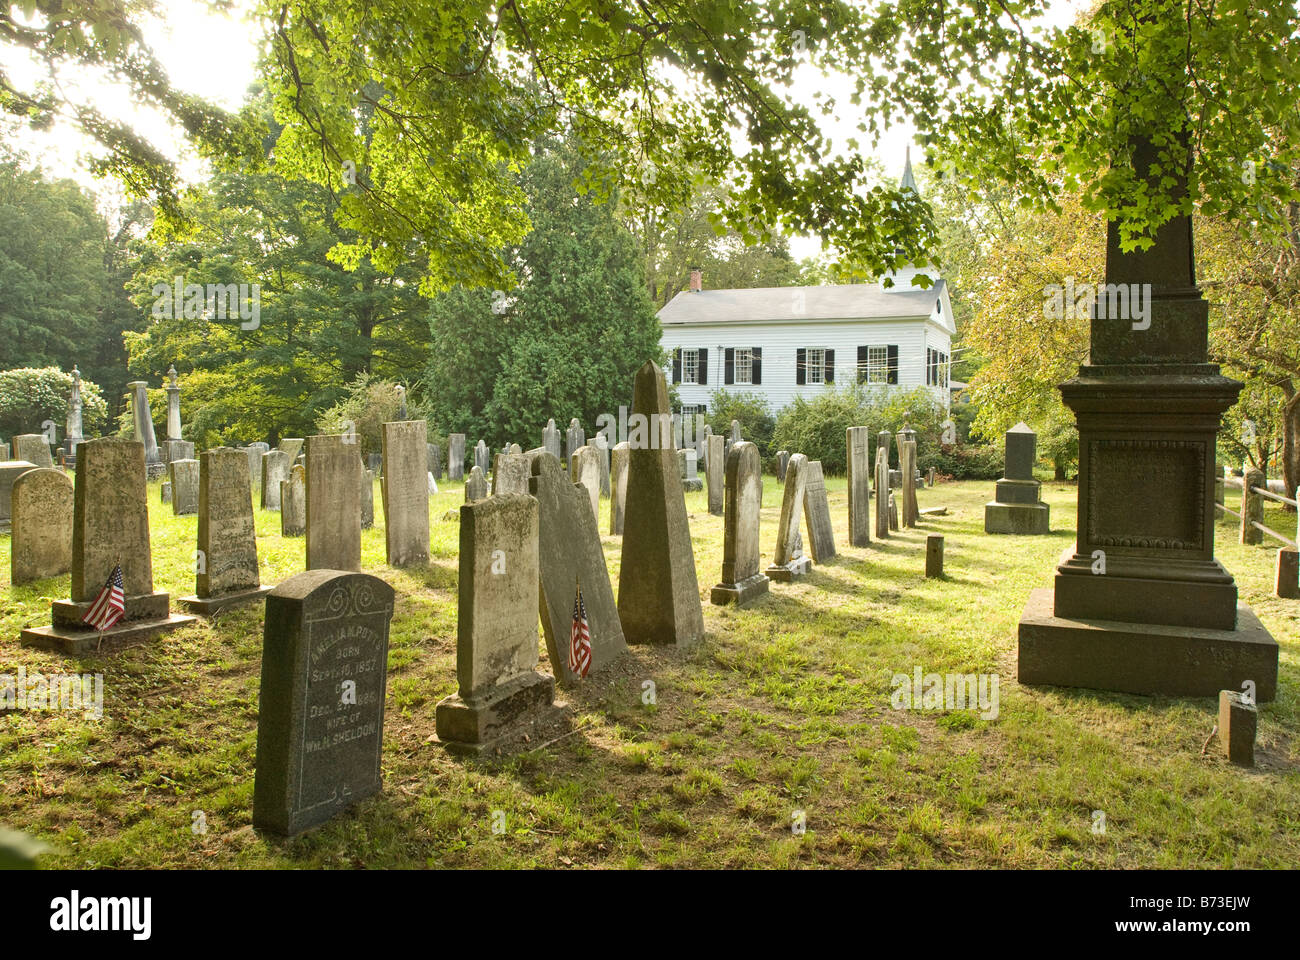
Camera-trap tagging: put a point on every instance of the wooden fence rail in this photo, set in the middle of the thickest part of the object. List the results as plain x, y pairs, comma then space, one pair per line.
1253, 493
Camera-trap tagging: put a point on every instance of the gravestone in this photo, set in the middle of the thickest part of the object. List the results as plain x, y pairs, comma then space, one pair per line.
173, 405
254, 455
690, 478
903, 436
41, 545
476, 487
456, 457
1016, 507
782, 461
584, 469
893, 511
911, 511
482, 457
275, 470
334, 481
742, 580
375, 464
883, 440
858, 441
177, 450
110, 525
165, 492
34, 449
618, 488
602, 448
320, 719
10, 471
788, 560
291, 447
574, 438
715, 468
185, 487
293, 502
821, 535
226, 570
4, 452
500, 695
704, 448
435, 461
882, 491
366, 497
510, 475
934, 555
404, 490
658, 593
551, 440
570, 553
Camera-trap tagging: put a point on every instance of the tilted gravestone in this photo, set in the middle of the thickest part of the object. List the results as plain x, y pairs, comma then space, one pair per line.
858, 440
291, 447
476, 487
226, 571
551, 440
293, 503
366, 497
110, 525
618, 464
185, 487
456, 457
275, 470
715, 468
584, 469
658, 593
1016, 506
742, 580
571, 555
41, 545
10, 471
788, 560
882, 492
334, 479
404, 490
510, 474
821, 535
500, 695
320, 720
34, 448
574, 438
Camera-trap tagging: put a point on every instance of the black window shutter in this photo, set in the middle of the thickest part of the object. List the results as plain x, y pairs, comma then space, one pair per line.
729, 367
863, 363
677, 365
704, 365
756, 365
892, 363
830, 366
801, 366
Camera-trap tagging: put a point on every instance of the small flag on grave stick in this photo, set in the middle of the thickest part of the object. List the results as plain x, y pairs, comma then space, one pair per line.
580, 638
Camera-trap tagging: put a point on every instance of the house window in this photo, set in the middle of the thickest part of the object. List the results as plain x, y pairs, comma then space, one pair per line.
936, 368
816, 365
694, 409
744, 365
877, 364
690, 365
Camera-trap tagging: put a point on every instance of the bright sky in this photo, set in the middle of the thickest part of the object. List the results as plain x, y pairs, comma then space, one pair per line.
215, 54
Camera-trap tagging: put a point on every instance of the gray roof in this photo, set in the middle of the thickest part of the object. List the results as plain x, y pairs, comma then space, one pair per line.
851, 301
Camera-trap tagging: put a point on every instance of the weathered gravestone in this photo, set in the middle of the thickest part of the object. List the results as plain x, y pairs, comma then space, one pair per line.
10, 471
291, 447
551, 440
142, 420
185, 487
658, 593
110, 525
584, 469
715, 468
500, 694
882, 491
788, 560
574, 438
1016, 507
618, 488
366, 495
33, 448
858, 441
571, 555
41, 545
476, 487
782, 461
821, 535
690, 478
733, 437
275, 470
4, 452
320, 722
404, 490
510, 473
602, 448
165, 492
742, 580
911, 512
456, 457
482, 457
334, 480
435, 461
293, 502
226, 570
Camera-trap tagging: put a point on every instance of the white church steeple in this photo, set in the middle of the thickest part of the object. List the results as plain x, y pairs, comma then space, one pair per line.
902, 277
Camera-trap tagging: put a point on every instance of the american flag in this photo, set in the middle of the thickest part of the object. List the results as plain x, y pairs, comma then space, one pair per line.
579, 638
110, 605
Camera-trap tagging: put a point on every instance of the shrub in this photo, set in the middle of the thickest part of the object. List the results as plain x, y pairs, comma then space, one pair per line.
30, 396
752, 412
370, 403
964, 462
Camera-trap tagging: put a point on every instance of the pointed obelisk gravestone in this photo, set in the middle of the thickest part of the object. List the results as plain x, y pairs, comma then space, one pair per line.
275, 470
143, 422
110, 525
1164, 617
366, 497
817, 510
41, 545
10, 471
551, 440
73, 424
882, 491
320, 720
34, 449
226, 570
911, 511
858, 440
1016, 507
788, 560
476, 487
602, 448
510, 473
742, 580
333, 503
571, 554
715, 468
618, 464
185, 487
500, 694
584, 469
293, 503
456, 457
404, 490
658, 593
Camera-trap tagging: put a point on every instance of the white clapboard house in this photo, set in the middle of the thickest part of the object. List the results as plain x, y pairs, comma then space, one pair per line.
786, 342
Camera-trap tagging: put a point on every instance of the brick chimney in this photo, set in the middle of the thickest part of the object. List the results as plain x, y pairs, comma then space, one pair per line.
697, 280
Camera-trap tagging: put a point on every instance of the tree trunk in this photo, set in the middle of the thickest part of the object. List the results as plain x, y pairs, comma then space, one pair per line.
1291, 444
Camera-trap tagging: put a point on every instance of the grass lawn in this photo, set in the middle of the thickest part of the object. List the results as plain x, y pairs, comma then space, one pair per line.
785, 707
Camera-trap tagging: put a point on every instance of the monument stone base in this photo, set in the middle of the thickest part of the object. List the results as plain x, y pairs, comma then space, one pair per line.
208, 606
477, 726
795, 568
147, 615
1016, 518
751, 588
1144, 658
